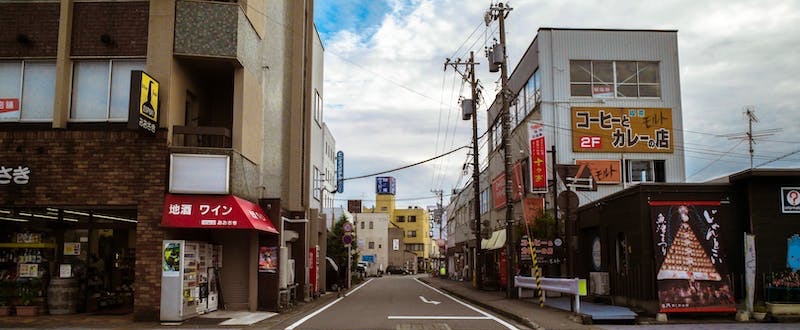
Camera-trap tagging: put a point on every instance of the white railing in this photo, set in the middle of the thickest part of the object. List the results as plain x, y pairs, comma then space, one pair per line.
573, 286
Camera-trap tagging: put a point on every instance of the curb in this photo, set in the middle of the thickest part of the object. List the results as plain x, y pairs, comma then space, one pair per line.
527, 322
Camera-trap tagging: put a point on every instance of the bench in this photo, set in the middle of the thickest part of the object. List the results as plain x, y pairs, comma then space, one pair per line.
573, 286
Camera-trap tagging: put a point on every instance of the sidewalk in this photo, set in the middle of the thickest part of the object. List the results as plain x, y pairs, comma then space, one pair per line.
524, 311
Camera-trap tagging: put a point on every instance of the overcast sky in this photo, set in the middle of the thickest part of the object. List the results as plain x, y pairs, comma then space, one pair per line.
390, 103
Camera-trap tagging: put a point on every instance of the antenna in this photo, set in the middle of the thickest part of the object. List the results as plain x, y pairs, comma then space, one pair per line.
750, 135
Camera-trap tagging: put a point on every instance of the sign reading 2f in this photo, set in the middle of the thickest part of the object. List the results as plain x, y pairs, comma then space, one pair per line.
591, 142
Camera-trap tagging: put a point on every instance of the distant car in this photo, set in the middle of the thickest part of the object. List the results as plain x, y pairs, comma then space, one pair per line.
397, 270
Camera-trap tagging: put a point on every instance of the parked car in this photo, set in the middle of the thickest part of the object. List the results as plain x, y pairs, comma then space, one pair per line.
396, 270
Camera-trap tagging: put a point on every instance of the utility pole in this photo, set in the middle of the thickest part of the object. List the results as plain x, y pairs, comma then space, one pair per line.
499, 12
437, 217
476, 192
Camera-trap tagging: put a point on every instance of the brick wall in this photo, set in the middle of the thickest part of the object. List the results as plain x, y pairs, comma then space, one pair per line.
124, 23
35, 22
97, 168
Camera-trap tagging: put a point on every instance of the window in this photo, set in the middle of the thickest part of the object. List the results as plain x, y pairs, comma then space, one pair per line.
415, 247
645, 171
371, 225
497, 134
371, 245
608, 79
100, 89
401, 218
362, 224
27, 90
412, 218
317, 185
317, 107
384, 208
412, 233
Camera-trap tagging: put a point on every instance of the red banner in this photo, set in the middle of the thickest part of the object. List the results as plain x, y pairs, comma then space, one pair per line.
499, 186
538, 159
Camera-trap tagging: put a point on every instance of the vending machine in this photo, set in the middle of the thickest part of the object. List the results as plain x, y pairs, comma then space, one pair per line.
180, 280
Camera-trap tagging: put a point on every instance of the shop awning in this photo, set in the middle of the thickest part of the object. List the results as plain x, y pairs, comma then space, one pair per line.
214, 212
498, 240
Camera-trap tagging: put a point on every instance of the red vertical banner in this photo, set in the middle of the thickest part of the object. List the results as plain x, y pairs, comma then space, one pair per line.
538, 160
502, 268
313, 272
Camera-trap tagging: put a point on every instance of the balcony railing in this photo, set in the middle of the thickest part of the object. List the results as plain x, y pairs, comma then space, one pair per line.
202, 136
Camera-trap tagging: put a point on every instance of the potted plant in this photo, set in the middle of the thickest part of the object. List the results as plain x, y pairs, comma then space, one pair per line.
27, 300
759, 312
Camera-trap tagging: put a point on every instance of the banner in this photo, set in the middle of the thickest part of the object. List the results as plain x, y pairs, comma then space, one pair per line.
532, 208
690, 259
538, 162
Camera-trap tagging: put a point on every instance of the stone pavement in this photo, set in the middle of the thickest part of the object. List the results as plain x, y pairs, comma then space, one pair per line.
525, 311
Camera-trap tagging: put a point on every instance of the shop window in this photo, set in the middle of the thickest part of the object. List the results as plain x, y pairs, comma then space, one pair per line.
101, 89
27, 90
620, 79
412, 218
645, 171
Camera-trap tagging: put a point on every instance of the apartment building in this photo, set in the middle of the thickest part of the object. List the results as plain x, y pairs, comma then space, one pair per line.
134, 131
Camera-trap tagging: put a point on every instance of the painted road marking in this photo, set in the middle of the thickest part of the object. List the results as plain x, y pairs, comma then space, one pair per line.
428, 317
429, 301
358, 287
309, 316
504, 323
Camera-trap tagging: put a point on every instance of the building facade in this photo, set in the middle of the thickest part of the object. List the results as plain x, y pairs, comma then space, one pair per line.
113, 107
372, 232
600, 109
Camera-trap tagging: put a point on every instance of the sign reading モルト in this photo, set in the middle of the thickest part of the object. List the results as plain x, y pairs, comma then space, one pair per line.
622, 130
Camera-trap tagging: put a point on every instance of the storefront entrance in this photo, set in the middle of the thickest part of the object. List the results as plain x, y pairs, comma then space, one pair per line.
67, 260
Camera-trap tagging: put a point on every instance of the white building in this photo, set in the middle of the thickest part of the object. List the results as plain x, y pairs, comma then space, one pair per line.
372, 234
607, 101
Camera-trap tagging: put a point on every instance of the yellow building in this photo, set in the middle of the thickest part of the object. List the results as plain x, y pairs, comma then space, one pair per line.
415, 223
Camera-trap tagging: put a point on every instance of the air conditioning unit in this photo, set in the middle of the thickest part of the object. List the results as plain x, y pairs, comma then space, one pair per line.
598, 284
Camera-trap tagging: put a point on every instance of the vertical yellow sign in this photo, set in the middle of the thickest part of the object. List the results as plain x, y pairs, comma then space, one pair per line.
148, 98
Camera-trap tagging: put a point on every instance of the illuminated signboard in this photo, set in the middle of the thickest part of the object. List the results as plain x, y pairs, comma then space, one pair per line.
622, 130
385, 185
144, 106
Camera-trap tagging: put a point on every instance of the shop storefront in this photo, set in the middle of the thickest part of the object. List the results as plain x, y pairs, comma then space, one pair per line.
79, 221
68, 260
214, 254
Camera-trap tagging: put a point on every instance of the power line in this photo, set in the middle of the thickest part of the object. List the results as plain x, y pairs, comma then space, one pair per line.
405, 167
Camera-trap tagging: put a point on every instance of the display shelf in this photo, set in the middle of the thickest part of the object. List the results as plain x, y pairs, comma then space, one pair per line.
27, 245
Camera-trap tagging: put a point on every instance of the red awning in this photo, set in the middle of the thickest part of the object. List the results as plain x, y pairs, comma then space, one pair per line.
215, 212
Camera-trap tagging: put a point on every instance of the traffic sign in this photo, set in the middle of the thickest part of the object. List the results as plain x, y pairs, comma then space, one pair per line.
347, 239
347, 227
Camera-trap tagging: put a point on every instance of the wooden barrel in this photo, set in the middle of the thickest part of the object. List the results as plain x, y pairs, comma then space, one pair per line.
62, 296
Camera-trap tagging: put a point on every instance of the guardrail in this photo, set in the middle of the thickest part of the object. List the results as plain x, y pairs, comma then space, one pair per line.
573, 286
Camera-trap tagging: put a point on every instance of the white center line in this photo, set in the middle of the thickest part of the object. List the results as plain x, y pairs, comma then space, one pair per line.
455, 317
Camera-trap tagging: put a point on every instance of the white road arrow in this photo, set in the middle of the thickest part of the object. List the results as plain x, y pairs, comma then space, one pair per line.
429, 301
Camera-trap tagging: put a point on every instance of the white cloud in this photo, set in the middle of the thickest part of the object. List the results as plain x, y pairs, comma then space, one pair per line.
389, 102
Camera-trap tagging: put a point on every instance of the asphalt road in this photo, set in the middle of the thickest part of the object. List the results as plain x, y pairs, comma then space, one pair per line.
397, 303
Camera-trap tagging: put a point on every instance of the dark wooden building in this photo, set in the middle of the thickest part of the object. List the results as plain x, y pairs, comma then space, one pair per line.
667, 247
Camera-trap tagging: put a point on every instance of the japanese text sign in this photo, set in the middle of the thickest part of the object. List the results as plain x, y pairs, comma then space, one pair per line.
14, 175
499, 186
603, 171
622, 130
207, 211
538, 161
